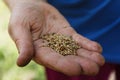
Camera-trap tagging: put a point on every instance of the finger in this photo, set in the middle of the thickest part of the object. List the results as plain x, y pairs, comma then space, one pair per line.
22, 38
86, 43
94, 56
56, 61
88, 66
82, 41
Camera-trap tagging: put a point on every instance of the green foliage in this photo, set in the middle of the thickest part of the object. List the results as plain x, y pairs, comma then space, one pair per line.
1, 56
8, 55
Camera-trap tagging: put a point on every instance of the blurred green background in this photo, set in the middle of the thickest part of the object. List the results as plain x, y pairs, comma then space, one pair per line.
8, 55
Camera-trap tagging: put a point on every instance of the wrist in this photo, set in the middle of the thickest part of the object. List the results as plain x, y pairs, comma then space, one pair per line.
13, 3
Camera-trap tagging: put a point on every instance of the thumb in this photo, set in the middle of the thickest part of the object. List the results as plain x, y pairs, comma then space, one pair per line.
22, 37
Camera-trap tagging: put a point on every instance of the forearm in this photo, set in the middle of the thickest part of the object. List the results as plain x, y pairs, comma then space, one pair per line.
12, 3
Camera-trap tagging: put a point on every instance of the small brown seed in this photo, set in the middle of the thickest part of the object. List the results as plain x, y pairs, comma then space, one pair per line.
62, 44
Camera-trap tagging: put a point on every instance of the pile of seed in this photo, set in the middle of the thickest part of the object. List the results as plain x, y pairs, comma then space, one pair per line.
62, 44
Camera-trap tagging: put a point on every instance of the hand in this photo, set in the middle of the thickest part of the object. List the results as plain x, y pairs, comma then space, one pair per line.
31, 20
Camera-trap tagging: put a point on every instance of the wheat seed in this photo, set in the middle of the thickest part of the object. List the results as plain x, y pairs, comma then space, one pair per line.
62, 44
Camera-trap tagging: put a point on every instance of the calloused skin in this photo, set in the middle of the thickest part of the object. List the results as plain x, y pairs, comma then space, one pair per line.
30, 20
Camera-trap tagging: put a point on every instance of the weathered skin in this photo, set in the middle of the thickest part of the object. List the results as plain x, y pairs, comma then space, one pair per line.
33, 18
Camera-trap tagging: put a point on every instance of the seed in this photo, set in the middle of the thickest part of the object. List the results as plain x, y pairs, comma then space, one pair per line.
62, 44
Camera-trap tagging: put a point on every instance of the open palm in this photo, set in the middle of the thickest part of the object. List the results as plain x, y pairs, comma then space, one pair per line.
29, 22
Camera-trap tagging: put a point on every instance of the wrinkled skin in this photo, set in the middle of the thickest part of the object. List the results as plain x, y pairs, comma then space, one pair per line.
30, 20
